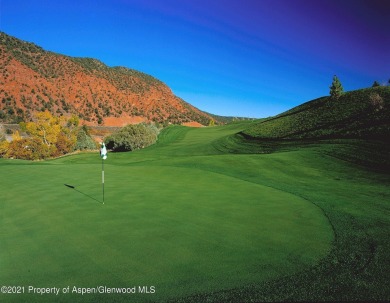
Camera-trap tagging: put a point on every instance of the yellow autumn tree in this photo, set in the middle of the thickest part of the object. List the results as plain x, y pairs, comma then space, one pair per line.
49, 136
4, 146
16, 136
45, 126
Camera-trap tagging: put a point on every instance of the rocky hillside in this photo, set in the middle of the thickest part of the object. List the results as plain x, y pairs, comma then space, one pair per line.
33, 79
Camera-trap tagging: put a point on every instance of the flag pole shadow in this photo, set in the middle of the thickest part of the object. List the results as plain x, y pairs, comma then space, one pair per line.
74, 188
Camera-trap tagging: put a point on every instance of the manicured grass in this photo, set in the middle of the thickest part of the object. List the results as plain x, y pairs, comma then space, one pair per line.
197, 223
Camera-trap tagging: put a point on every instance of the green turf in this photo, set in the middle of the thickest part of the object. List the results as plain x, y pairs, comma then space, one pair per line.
197, 223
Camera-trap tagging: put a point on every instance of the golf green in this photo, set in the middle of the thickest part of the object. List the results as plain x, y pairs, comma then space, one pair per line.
178, 230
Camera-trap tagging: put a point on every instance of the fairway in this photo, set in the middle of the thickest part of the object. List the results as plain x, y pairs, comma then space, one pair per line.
179, 216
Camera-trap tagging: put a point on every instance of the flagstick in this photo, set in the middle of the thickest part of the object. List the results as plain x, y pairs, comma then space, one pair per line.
103, 154
103, 178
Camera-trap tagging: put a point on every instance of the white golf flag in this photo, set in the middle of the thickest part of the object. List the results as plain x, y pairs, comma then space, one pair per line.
103, 152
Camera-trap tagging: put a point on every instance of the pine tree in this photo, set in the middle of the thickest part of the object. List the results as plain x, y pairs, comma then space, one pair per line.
336, 89
376, 84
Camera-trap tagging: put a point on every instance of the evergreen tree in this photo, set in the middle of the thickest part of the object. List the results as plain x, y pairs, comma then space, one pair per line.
336, 89
376, 83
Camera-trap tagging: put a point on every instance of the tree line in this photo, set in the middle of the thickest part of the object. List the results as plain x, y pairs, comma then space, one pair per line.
47, 137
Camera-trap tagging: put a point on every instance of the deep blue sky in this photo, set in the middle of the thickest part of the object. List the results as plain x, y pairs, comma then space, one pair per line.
251, 58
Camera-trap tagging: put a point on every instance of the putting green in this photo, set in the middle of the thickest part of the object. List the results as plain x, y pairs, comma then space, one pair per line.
182, 230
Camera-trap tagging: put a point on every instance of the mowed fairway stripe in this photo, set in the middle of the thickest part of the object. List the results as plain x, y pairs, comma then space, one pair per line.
182, 230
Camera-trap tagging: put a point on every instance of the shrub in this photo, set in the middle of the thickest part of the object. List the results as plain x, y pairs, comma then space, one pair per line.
377, 101
132, 137
64, 144
2, 133
29, 149
84, 141
4, 146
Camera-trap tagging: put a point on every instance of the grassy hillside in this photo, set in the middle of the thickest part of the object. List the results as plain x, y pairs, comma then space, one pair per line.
357, 114
356, 127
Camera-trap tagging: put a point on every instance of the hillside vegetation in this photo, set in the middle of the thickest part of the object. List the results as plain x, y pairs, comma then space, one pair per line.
33, 79
362, 113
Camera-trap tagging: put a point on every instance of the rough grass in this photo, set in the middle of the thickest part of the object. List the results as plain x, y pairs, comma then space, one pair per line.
199, 223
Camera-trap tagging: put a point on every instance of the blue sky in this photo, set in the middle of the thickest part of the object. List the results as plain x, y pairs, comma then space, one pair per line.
252, 58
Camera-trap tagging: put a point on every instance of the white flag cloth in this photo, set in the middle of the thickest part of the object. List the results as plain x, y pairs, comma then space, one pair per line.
103, 152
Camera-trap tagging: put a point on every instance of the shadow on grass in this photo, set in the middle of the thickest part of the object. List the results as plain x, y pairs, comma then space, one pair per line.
73, 187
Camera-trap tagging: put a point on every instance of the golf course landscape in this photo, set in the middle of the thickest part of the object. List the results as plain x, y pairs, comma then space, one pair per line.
203, 215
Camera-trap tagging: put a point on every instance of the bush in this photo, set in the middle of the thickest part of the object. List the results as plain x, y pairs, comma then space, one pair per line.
4, 146
29, 149
377, 101
2, 133
64, 144
84, 141
132, 137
